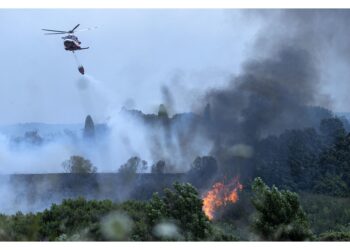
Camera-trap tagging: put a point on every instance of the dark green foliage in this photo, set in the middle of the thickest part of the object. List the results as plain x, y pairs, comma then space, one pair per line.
279, 218
326, 213
279, 214
19, 227
183, 206
335, 236
223, 231
78, 165
334, 169
73, 216
331, 184
290, 160
179, 209
307, 160
155, 210
137, 211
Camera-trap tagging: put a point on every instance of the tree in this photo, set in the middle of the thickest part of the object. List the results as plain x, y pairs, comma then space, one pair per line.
19, 227
203, 170
31, 138
177, 215
89, 129
290, 160
205, 165
332, 129
334, 169
131, 167
72, 217
162, 112
279, 214
78, 165
183, 206
159, 167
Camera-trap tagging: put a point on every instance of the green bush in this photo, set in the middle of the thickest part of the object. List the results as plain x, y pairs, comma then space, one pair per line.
177, 215
279, 214
73, 216
326, 213
19, 227
335, 236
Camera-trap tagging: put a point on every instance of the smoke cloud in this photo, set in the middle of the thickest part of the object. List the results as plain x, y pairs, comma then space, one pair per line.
284, 74
287, 71
270, 96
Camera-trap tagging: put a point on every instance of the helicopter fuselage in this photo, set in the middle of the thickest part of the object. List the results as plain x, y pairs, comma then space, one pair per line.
72, 43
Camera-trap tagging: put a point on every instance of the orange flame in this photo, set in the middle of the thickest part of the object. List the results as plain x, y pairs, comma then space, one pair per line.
221, 195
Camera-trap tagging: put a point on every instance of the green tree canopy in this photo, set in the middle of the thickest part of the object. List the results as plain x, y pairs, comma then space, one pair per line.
279, 214
184, 206
333, 176
78, 165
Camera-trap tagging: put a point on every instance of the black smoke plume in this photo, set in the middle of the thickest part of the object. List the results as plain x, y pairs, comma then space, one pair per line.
270, 96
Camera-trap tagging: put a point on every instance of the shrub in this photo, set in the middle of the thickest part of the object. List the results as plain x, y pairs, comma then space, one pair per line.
279, 214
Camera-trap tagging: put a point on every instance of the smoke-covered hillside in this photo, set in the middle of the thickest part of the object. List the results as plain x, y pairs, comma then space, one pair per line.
248, 107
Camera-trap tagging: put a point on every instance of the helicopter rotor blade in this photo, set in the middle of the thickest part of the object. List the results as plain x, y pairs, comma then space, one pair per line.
71, 31
55, 30
55, 33
87, 29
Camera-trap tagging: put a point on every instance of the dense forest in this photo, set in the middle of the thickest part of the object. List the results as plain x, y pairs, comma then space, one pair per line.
293, 185
265, 213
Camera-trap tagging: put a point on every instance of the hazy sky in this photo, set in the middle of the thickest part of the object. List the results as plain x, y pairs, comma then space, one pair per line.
132, 55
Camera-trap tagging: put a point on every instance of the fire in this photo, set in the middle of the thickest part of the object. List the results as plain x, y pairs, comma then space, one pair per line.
221, 195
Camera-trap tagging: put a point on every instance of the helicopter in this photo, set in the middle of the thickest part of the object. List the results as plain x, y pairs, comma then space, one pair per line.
70, 42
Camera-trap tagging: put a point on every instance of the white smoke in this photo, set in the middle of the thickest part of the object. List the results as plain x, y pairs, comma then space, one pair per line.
127, 137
